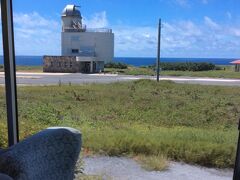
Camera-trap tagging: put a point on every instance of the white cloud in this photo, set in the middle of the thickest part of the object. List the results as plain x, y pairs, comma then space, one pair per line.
188, 3
183, 3
210, 23
235, 31
229, 15
38, 35
98, 20
180, 39
33, 20
135, 41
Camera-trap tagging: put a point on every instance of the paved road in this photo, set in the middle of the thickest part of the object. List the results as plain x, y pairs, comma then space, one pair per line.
119, 168
54, 79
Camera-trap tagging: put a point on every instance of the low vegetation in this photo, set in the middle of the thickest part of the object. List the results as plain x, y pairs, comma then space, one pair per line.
30, 68
188, 66
131, 70
153, 163
116, 65
219, 72
25, 68
191, 123
225, 72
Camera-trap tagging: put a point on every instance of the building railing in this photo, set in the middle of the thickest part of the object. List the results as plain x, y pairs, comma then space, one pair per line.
75, 29
104, 30
85, 29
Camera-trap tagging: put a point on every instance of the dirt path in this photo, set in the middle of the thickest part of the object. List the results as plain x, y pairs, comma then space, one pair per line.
127, 169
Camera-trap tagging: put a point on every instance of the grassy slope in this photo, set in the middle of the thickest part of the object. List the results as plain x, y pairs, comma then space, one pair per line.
30, 68
26, 69
131, 71
191, 123
227, 73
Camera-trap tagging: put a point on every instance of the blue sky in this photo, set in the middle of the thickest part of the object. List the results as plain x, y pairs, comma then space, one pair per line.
191, 28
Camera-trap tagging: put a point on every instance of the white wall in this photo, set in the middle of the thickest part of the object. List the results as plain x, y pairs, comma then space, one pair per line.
102, 43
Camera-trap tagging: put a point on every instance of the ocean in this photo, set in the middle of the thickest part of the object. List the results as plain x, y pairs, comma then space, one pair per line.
135, 61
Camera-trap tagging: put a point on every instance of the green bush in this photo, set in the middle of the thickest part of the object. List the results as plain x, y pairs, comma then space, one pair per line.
44, 113
218, 68
116, 65
188, 66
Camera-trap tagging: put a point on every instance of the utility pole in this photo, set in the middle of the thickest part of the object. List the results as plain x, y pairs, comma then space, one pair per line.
236, 175
10, 71
159, 49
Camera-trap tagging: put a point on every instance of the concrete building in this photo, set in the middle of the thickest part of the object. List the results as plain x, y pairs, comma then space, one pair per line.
83, 50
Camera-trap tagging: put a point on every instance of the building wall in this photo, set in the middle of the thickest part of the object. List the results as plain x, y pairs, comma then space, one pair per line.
64, 64
72, 64
98, 44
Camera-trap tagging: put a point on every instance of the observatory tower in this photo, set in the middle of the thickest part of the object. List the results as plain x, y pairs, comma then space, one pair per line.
83, 49
72, 19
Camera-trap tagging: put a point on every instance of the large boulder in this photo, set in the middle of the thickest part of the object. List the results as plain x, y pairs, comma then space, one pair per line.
49, 155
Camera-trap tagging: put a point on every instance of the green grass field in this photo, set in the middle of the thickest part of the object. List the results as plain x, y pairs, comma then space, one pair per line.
191, 123
30, 68
131, 70
227, 73
26, 68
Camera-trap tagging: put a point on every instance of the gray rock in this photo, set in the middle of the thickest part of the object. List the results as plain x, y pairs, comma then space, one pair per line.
5, 177
49, 155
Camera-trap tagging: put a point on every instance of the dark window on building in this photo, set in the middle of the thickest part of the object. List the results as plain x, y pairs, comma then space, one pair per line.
75, 51
51, 64
65, 64
70, 65
59, 64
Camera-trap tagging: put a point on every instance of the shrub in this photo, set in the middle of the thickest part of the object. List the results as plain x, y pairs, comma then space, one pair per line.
188, 66
153, 162
218, 68
116, 65
45, 114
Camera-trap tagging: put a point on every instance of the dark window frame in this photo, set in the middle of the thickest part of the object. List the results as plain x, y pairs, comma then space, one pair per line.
75, 51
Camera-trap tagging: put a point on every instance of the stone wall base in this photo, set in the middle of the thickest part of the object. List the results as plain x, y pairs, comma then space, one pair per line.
70, 64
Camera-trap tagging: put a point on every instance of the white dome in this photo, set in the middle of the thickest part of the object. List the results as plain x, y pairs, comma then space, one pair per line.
71, 10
